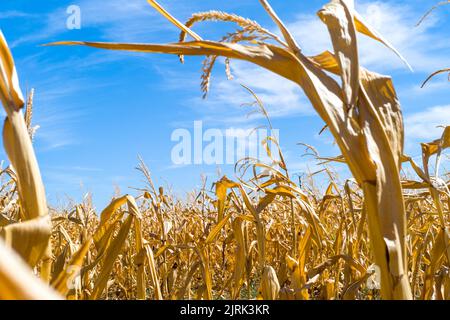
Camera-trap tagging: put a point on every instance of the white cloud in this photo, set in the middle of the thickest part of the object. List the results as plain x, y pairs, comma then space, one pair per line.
438, 84
396, 22
227, 101
281, 96
424, 125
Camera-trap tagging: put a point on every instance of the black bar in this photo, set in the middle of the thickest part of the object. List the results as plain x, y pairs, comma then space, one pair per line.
261, 310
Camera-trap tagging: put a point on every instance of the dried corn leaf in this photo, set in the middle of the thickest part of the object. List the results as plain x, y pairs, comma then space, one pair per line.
17, 281
29, 239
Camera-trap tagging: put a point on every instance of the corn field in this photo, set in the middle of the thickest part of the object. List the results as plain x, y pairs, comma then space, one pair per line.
380, 235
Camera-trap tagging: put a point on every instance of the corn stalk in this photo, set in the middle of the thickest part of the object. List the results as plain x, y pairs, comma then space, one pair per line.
30, 238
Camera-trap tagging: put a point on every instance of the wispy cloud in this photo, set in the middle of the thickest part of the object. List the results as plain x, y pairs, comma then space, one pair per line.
437, 85
47, 26
396, 22
125, 21
57, 116
424, 125
118, 20
11, 14
228, 103
282, 97
56, 127
56, 83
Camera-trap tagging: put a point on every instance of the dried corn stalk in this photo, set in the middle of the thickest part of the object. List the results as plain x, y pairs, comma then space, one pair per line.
30, 239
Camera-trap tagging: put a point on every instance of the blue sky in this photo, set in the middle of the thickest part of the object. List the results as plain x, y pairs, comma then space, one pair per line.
98, 110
